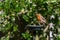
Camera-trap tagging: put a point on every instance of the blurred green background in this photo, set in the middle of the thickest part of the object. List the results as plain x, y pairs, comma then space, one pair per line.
16, 14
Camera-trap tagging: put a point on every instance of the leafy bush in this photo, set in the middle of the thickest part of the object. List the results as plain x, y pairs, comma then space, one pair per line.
10, 9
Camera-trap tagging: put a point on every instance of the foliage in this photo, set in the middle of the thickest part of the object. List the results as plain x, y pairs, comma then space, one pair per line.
27, 36
9, 10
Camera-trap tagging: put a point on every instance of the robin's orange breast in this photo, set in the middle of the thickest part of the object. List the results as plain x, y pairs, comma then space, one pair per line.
38, 17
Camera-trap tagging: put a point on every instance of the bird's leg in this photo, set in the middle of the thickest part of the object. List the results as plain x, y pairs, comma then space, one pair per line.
39, 23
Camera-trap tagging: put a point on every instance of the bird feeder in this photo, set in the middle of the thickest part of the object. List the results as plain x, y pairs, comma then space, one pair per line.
36, 29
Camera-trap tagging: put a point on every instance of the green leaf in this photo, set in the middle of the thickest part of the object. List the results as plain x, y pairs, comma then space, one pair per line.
15, 28
26, 18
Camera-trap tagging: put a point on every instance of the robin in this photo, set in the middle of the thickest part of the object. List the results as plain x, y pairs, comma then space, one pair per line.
40, 18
